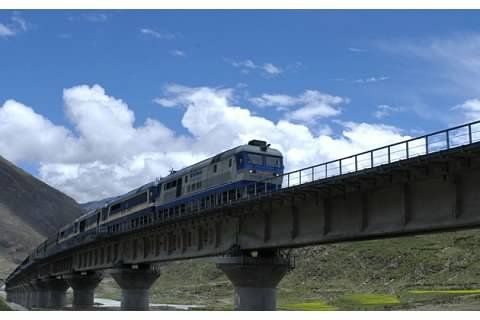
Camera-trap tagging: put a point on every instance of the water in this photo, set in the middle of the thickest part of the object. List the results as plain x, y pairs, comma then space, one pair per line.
110, 303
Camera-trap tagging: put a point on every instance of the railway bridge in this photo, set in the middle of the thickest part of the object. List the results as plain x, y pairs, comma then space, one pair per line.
426, 184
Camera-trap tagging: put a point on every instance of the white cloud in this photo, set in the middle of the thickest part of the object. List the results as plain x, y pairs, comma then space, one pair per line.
20, 21
271, 69
384, 110
157, 34
314, 105
217, 124
356, 50
96, 17
178, 53
275, 100
36, 138
450, 63
371, 79
245, 66
469, 110
16, 26
6, 31
249, 64
106, 154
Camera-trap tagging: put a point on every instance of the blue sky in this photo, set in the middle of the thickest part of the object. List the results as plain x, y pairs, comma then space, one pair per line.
406, 72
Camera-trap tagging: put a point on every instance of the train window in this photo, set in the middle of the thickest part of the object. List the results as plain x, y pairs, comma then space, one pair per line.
186, 179
255, 158
182, 208
214, 168
273, 162
115, 208
229, 163
171, 184
195, 173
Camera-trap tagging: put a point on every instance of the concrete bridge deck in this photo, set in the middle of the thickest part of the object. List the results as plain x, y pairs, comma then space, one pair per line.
426, 184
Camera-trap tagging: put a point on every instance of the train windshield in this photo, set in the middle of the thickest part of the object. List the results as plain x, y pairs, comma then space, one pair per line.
262, 160
275, 162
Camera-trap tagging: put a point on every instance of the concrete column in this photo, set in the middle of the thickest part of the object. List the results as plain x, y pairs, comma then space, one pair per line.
33, 302
83, 286
58, 293
28, 293
24, 295
255, 280
43, 293
135, 284
9, 293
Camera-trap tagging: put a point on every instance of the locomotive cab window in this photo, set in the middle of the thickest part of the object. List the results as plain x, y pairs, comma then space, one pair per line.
273, 162
255, 158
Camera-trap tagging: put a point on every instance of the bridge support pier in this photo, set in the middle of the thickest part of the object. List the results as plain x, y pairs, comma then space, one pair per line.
32, 296
42, 293
58, 292
24, 295
27, 295
135, 285
9, 293
83, 286
255, 279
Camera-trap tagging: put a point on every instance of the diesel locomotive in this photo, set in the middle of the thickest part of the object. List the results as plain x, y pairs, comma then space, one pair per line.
222, 179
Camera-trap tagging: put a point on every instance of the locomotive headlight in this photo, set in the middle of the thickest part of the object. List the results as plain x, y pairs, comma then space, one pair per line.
252, 171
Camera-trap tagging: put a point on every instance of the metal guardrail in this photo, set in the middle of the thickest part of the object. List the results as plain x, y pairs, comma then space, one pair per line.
451, 138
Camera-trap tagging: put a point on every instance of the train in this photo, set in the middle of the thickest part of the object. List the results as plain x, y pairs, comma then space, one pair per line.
222, 179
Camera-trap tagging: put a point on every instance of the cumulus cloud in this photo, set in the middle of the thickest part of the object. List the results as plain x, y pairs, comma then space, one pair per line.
313, 105
105, 154
35, 137
468, 111
217, 124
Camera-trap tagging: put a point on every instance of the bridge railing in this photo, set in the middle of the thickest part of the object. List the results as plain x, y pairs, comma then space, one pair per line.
431, 143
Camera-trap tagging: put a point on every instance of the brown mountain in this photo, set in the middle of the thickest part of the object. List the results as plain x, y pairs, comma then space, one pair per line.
30, 210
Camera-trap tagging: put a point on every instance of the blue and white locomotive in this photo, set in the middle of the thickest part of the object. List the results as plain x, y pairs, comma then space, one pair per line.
225, 178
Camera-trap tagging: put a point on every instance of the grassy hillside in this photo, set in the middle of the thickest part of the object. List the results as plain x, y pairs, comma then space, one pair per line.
30, 210
3, 306
439, 271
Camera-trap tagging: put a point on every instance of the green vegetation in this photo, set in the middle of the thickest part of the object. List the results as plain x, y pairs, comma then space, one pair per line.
317, 305
367, 301
4, 306
471, 291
